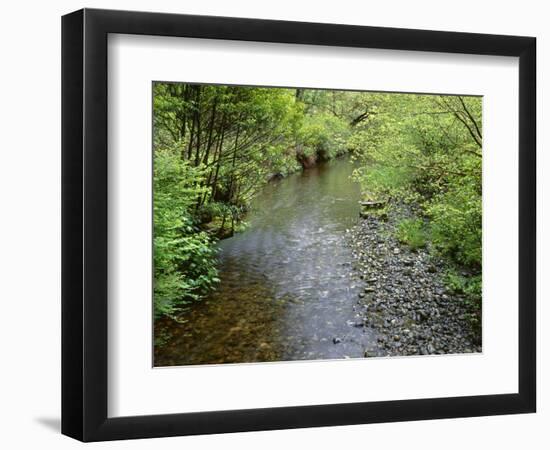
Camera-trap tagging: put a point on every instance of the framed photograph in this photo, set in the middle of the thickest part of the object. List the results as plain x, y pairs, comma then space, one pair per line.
273, 224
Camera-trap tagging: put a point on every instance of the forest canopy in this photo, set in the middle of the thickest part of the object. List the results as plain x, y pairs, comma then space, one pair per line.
215, 148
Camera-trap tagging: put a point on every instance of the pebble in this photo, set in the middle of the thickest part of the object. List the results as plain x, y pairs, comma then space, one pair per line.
412, 313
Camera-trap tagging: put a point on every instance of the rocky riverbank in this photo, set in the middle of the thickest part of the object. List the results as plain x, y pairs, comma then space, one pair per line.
403, 298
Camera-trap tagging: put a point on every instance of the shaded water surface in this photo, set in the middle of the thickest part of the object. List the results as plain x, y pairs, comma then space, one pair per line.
285, 291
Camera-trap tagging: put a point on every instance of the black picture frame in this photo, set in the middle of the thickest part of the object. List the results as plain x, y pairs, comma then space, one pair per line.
84, 224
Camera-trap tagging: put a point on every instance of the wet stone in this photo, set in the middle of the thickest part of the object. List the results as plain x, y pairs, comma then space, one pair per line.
415, 313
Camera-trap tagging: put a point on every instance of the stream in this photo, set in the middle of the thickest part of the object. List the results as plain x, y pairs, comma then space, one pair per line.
286, 290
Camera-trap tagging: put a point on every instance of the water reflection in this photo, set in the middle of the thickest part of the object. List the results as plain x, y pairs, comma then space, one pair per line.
286, 291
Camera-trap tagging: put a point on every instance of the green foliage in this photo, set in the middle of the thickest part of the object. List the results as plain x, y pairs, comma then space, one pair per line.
456, 224
426, 150
215, 147
323, 135
184, 257
412, 233
470, 287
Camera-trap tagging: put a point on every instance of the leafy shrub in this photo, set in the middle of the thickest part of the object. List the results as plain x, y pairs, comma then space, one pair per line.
471, 288
456, 224
184, 257
324, 135
411, 232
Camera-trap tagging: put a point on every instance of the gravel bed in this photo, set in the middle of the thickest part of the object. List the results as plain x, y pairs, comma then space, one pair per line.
403, 298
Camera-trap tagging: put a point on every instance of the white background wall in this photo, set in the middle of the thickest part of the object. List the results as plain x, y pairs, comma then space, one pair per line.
30, 221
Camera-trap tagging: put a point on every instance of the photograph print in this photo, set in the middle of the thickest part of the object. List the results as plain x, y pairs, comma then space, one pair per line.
294, 224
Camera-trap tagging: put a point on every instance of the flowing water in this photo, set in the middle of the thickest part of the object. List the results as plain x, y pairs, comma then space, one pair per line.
286, 291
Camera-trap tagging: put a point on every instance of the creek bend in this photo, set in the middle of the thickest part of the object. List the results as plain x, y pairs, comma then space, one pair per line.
286, 290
